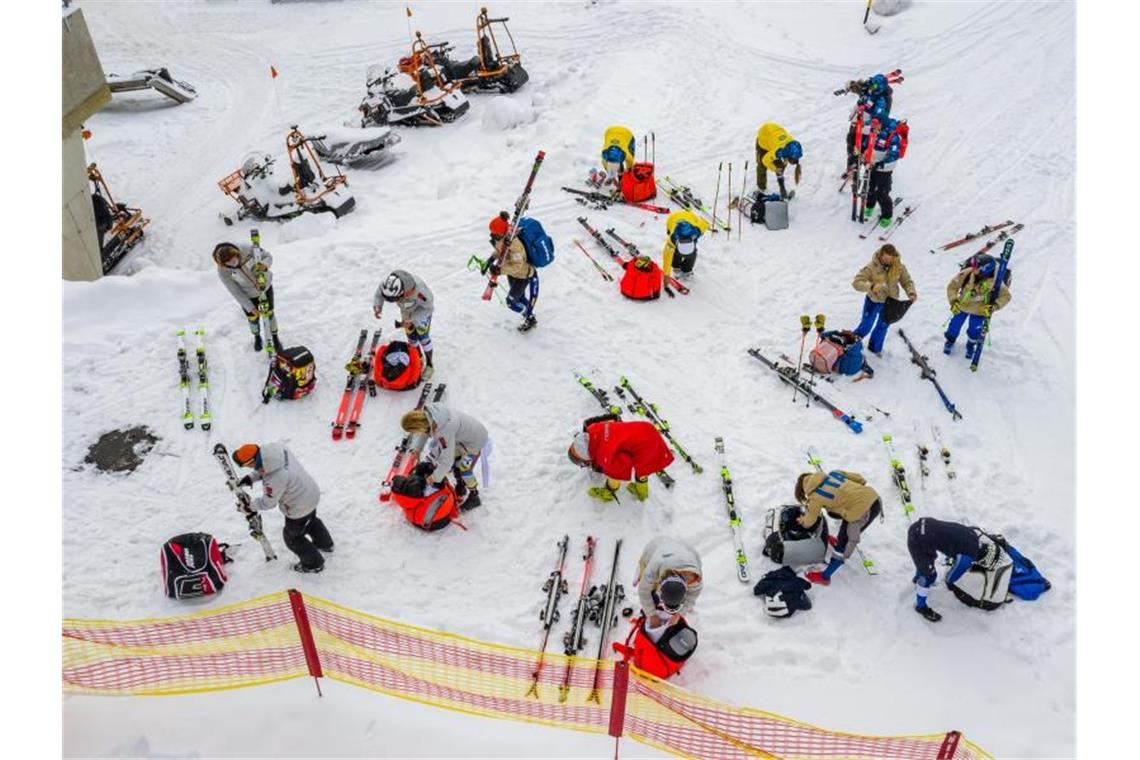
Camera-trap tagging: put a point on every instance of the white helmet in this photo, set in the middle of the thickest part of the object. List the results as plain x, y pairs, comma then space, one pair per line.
392, 288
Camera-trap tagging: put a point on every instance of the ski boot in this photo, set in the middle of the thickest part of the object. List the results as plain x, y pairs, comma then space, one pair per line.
428, 372
277, 343
470, 502
639, 488
607, 492
257, 346
928, 613
868, 213
816, 576
885, 222
300, 568
948, 347
527, 324
971, 347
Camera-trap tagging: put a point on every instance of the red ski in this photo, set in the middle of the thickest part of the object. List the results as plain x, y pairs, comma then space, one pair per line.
408, 451
342, 410
967, 238
363, 384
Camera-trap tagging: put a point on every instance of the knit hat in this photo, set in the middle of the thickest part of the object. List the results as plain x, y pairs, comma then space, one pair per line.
500, 224
246, 454
579, 450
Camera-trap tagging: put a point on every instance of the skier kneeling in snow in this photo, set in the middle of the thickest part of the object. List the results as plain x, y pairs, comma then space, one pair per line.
969, 297
775, 149
683, 229
927, 538
287, 486
621, 451
247, 279
416, 306
845, 496
457, 442
668, 583
521, 275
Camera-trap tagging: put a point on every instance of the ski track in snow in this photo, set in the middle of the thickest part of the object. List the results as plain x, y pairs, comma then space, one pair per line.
989, 93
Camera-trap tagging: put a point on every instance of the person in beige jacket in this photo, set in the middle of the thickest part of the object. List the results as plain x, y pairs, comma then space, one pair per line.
969, 294
882, 279
521, 274
845, 496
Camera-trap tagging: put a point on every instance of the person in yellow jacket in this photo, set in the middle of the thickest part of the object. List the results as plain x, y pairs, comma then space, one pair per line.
682, 229
775, 149
845, 496
618, 146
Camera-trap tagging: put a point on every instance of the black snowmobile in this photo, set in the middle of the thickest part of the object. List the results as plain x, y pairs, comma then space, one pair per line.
488, 70
365, 147
417, 94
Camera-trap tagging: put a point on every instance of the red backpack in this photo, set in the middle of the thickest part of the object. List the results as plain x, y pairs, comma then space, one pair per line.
397, 366
642, 279
430, 513
638, 184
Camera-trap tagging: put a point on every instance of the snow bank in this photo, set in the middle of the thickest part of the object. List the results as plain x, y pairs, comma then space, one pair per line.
507, 112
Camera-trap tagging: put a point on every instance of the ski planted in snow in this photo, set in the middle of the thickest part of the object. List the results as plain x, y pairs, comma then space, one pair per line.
898, 472
520, 209
929, 374
353, 369
972, 235
574, 640
650, 412
184, 381
603, 398
788, 375
204, 416
362, 386
607, 598
251, 517
868, 563
999, 281
733, 515
898, 222
406, 451
554, 588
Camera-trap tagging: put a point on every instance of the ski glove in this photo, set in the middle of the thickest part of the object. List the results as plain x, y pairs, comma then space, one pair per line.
495, 269
423, 469
987, 310
955, 307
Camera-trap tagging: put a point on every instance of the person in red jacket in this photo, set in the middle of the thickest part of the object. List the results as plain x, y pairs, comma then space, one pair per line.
621, 451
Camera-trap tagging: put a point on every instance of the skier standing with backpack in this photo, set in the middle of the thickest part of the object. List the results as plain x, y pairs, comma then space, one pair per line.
969, 296
775, 149
416, 305
668, 583
529, 249
889, 146
881, 279
875, 99
683, 229
927, 538
845, 496
247, 277
287, 486
457, 441
621, 451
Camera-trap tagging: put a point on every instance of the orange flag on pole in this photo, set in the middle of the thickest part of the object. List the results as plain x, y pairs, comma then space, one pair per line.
272, 72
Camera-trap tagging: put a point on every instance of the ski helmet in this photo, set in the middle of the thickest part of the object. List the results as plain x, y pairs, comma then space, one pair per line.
579, 451
793, 151
987, 552
500, 224
247, 454
227, 255
790, 528
878, 83
392, 288
984, 264
672, 592
613, 155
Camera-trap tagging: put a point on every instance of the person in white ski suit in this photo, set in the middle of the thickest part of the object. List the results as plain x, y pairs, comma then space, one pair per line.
667, 560
288, 487
457, 441
416, 303
246, 278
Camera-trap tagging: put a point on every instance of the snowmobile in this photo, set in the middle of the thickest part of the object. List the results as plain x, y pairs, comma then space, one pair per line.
416, 94
488, 70
262, 195
118, 226
154, 79
359, 147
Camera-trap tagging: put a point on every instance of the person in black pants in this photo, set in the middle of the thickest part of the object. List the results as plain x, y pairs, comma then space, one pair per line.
927, 538
887, 151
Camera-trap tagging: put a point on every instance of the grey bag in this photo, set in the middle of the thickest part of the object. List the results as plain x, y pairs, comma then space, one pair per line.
786, 543
776, 215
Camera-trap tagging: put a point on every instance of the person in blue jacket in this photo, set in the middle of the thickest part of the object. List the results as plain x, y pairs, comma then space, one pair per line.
875, 96
965, 545
888, 150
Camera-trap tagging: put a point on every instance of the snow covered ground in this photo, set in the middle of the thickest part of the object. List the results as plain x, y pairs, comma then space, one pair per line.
989, 95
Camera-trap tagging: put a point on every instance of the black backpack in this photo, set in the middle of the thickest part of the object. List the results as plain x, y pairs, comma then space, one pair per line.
293, 375
194, 565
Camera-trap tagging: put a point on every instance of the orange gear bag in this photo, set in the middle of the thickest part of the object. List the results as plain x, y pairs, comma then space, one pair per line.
638, 184
642, 279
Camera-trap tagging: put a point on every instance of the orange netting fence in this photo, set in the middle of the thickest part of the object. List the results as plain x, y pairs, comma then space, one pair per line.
283, 636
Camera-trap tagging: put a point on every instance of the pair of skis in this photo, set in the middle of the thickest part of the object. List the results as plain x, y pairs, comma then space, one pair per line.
605, 200
359, 381
733, 515
927, 373
650, 412
408, 450
973, 235
204, 416
788, 374
684, 197
603, 399
264, 312
252, 518
671, 282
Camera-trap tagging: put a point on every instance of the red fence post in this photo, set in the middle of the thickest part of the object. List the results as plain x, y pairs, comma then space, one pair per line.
617, 700
301, 616
949, 745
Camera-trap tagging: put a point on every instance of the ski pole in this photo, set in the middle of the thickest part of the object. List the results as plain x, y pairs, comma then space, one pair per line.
867, 13
805, 324
728, 223
716, 196
740, 203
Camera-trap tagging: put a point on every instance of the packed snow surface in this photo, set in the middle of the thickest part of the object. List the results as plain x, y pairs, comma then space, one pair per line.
989, 95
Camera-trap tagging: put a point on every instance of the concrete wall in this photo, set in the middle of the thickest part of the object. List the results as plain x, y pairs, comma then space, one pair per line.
84, 93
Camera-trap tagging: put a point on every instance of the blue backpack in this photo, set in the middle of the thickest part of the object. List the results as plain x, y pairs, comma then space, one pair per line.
1027, 581
539, 247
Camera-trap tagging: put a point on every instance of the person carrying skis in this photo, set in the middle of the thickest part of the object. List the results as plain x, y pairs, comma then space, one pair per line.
521, 275
618, 147
880, 279
969, 296
845, 496
683, 229
875, 97
457, 441
889, 147
247, 278
927, 538
668, 583
416, 305
286, 486
775, 149
621, 451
